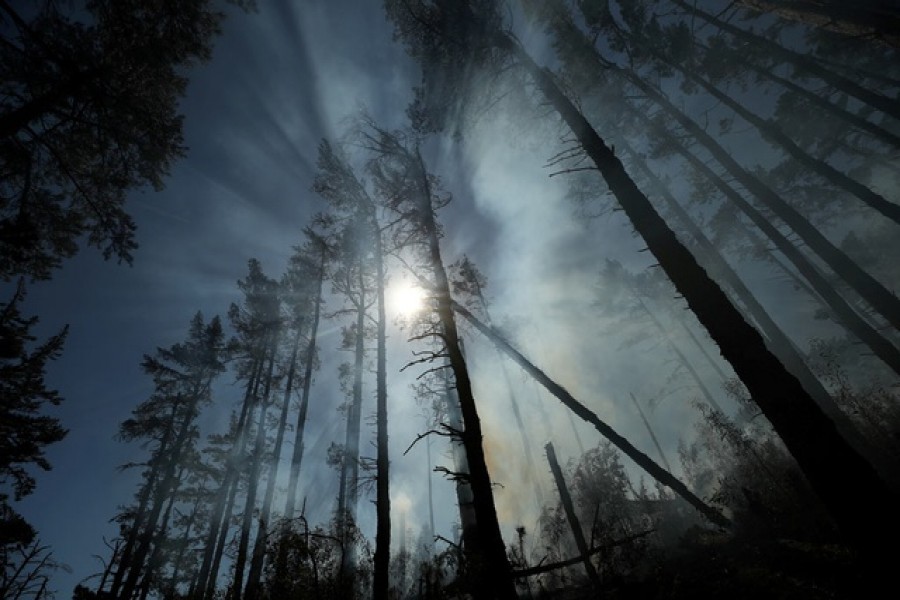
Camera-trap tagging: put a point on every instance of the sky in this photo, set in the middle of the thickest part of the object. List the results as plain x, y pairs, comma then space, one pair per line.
279, 81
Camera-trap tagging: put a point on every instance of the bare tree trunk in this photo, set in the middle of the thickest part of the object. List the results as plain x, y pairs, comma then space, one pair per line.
859, 19
167, 487
888, 106
864, 284
645, 462
259, 547
464, 497
682, 358
124, 558
826, 105
348, 493
254, 475
382, 558
830, 464
879, 345
517, 414
773, 135
574, 523
297, 458
227, 492
776, 339
495, 572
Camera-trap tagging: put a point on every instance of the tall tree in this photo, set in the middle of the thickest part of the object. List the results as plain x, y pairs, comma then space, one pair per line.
307, 265
256, 321
89, 112
337, 182
183, 375
402, 176
803, 62
868, 19
453, 37
260, 320
25, 429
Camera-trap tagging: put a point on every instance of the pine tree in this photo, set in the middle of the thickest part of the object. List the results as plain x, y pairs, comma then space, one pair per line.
25, 429
182, 376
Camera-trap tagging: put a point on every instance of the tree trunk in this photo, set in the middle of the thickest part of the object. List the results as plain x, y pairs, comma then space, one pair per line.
517, 414
772, 134
642, 460
880, 346
259, 547
888, 106
574, 523
124, 558
185, 540
464, 498
225, 496
495, 572
382, 474
863, 283
168, 485
348, 493
858, 19
309, 357
830, 464
682, 358
826, 105
777, 341
254, 475
156, 555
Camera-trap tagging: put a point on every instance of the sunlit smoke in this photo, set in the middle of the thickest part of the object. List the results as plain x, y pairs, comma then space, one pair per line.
406, 299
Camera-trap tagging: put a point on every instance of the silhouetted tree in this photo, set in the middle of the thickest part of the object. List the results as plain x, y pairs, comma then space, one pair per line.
24, 428
89, 113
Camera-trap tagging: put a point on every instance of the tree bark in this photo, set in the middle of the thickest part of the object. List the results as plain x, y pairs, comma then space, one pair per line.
826, 105
124, 558
517, 414
348, 492
225, 496
777, 341
495, 572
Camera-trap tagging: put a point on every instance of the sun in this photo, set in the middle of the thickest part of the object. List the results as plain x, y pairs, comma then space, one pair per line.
407, 299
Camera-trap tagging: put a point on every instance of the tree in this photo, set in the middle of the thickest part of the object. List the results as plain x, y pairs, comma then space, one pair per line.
306, 267
260, 322
24, 428
25, 571
471, 35
182, 376
870, 19
337, 182
403, 177
89, 113
301, 290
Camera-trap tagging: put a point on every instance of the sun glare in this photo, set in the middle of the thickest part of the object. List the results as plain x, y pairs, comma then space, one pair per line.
407, 299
